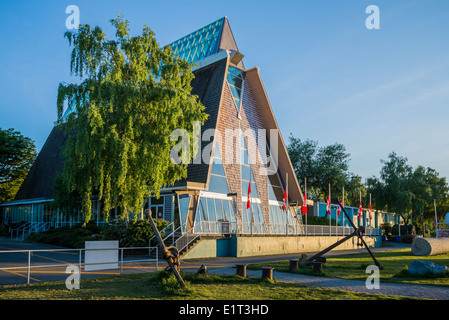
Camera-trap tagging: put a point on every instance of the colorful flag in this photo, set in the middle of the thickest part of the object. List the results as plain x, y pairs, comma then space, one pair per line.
304, 204
285, 198
328, 206
360, 209
342, 202
370, 211
248, 204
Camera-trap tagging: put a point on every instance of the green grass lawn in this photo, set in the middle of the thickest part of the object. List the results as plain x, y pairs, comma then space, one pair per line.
394, 266
160, 286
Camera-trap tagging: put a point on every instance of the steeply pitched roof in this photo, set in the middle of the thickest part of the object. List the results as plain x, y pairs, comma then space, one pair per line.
208, 86
49, 162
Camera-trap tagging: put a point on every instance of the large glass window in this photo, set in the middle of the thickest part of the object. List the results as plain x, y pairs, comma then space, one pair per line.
247, 174
218, 181
235, 81
211, 212
184, 204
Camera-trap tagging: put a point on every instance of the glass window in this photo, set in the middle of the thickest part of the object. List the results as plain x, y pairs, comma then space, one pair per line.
202, 210
218, 181
184, 203
235, 81
218, 184
219, 210
211, 210
217, 168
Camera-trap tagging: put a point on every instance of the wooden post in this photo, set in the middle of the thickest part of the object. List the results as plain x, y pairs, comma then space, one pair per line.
241, 270
294, 265
267, 273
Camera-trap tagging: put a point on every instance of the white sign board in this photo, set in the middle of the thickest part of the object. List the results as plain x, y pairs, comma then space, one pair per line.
99, 256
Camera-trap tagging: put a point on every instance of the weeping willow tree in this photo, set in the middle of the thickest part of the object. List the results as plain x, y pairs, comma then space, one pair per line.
130, 97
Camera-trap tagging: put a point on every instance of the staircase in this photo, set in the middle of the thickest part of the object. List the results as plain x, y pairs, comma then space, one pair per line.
28, 228
184, 242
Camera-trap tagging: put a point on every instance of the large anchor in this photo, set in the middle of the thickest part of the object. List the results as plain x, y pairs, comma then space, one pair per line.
358, 232
170, 254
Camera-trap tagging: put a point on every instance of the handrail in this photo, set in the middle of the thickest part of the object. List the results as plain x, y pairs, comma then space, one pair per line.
160, 231
196, 235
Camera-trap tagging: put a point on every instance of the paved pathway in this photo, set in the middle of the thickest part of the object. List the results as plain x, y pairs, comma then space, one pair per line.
407, 290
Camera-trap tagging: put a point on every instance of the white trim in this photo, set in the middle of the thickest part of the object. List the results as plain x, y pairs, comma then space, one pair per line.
214, 195
181, 188
275, 203
24, 202
253, 200
211, 59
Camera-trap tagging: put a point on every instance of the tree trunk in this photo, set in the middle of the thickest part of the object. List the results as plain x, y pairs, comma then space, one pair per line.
430, 246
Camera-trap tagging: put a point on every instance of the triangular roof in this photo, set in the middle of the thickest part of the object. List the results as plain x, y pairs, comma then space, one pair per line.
206, 41
218, 47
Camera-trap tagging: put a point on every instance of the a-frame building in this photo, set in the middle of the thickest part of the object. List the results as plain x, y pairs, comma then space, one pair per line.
213, 199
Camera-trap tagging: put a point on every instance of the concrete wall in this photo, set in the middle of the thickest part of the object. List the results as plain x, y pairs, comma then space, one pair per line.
259, 246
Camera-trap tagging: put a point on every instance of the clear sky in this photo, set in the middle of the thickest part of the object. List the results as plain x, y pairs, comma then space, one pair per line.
328, 77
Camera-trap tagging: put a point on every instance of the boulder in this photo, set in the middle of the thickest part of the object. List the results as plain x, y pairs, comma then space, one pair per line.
419, 267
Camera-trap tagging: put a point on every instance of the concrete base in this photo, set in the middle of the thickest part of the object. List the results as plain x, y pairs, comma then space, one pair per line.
259, 246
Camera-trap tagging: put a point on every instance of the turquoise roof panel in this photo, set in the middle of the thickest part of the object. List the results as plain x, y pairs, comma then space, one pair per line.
199, 44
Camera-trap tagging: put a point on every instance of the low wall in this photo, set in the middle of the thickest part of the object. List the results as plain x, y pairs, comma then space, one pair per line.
259, 246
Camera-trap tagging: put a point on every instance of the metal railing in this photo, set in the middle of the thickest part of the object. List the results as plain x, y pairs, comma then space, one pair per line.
218, 228
79, 262
322, 230
179, 239
29, 228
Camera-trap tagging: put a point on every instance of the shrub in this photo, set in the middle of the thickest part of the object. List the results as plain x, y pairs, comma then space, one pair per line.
136, 234
70, 237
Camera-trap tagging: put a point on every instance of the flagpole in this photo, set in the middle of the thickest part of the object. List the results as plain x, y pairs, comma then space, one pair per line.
360, 206
251, 208
436, 218
330, 212
343, 202
370, 209
305, 199
250, 191
286, 206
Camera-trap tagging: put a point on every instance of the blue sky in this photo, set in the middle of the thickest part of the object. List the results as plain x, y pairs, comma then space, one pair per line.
328, 77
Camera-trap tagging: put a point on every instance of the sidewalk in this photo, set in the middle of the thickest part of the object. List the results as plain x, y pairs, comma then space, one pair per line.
406, 290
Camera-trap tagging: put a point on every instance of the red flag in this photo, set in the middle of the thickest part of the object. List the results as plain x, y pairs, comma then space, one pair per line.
360, 209
248, 204
304, 204
328, 206
370, 211
285, 198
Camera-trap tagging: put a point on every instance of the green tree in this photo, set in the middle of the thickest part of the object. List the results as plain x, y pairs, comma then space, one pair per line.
353, 189
428, 189
395, 175
303, 157
132, 96
320, 165
17, 154
407, 191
